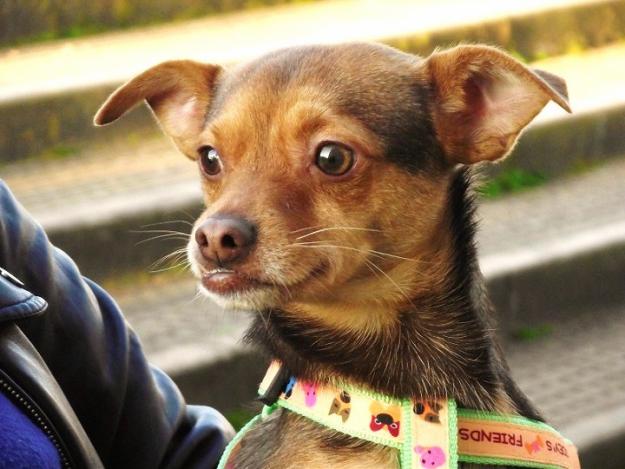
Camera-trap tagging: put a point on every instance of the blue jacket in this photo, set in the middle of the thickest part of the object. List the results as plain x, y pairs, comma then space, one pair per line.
74, 359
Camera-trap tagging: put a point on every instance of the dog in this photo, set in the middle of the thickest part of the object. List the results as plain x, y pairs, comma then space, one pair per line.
338, 187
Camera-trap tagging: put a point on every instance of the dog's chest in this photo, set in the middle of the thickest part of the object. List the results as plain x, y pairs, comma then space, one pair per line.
287, 441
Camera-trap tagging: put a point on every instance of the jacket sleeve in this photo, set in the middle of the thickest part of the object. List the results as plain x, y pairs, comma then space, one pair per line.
132, 412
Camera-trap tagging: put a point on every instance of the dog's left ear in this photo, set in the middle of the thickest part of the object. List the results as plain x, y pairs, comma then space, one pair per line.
178, 92
483, 98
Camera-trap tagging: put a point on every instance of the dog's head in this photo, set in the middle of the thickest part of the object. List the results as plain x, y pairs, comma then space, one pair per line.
325, 169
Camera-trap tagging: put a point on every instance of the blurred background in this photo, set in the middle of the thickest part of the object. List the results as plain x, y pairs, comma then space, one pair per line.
120, 200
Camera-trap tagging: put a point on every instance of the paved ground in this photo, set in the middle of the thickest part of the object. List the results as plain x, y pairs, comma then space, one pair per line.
555, 220
180, 329
120, 179
577, 374
111, 58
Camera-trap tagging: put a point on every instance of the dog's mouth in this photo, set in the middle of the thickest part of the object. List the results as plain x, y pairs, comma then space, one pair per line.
226, 281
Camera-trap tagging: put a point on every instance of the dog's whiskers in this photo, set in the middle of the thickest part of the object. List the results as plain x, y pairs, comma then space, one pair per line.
265, 320
305, 228
337, 228
180, 265
390, 279
175, 256
168, 222
325, 245
163, 231
178, 257
285, 286
393, 256
163, 234
370, 251
367, 261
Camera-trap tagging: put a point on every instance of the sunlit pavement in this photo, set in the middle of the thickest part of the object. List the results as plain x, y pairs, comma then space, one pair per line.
225, 39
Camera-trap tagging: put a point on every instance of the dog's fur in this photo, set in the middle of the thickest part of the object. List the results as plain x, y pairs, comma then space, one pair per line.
370, 277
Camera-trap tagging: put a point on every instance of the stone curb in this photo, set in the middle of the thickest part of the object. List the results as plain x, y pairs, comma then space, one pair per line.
601, 439
568, 144
532, 36
551, 288
28, 21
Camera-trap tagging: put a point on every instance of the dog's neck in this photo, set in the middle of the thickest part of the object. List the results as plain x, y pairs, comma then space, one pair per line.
439, 347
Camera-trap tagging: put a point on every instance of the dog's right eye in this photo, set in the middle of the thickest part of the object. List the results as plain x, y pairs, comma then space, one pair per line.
334, 159
210, 162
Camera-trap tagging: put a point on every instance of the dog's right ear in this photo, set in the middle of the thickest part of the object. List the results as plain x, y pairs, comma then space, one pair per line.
178, 93
483, 98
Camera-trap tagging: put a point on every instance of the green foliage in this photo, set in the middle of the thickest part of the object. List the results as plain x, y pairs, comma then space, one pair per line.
510, 181
581, 166
239, 417
532, 333
59, 152
26, 21
532, 37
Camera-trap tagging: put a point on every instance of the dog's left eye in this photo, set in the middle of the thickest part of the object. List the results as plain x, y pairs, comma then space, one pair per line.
210, 160
334, 159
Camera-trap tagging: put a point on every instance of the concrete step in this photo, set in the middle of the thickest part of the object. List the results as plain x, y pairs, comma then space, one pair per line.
556, 249
49, 93
24, 22
577, 377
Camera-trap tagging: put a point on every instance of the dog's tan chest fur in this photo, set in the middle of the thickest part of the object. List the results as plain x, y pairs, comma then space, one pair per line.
288, 441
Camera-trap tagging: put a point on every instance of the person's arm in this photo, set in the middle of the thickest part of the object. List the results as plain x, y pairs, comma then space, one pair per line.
133, 413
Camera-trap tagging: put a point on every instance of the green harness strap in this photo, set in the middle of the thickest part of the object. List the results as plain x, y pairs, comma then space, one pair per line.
430, 434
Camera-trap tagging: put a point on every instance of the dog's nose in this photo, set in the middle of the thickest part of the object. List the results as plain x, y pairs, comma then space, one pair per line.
225, 239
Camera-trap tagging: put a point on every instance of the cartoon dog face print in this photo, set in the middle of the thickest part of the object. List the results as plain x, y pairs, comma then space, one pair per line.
535, 446
431, 457
310, 390
341, 405
385, 416
428, 411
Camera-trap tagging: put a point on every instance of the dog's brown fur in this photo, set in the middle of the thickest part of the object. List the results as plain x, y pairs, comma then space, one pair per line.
370, 277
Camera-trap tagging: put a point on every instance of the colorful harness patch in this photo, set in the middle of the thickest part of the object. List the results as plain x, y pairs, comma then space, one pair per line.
429, 434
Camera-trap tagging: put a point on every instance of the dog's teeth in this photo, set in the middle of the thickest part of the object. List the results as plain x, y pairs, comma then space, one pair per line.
221, 271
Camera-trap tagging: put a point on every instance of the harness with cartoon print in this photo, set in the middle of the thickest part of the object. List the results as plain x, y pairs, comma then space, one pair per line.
430, 434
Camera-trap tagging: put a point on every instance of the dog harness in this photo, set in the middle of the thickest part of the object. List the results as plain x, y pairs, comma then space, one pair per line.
428, 434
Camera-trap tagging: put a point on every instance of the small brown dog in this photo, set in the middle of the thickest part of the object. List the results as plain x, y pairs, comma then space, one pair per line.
339, 208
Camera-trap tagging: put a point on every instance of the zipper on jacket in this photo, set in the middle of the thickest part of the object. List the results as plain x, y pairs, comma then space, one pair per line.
37, 418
